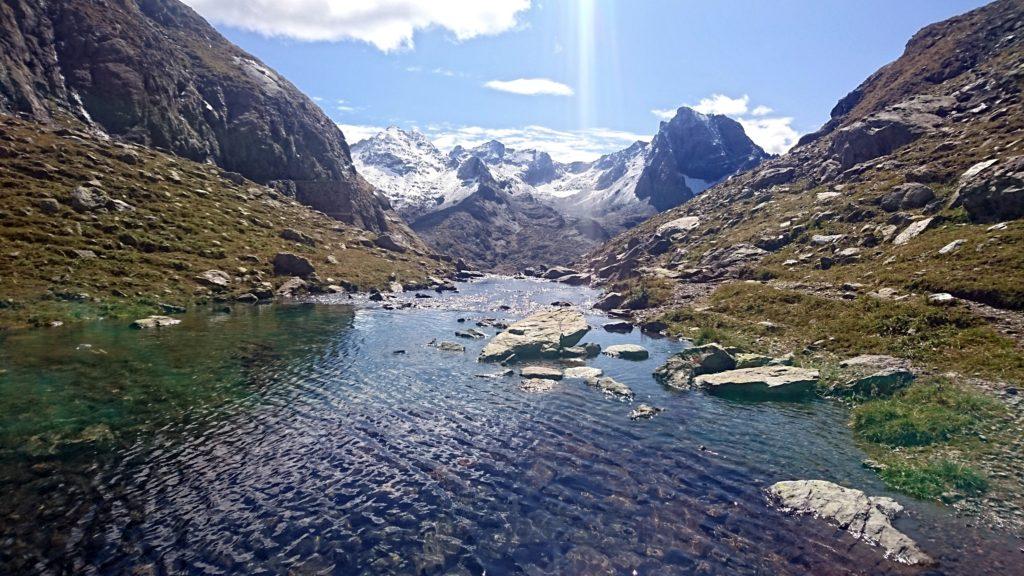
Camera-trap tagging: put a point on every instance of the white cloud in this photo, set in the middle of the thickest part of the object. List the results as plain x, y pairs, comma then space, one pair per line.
358, 132
530, 86
776, 135
562, 145
722, 104
664, 113
387, 24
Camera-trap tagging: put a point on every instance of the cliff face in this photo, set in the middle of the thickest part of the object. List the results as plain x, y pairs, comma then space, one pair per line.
153, 72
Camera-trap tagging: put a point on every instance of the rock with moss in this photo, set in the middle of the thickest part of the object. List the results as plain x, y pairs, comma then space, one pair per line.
680, 369
867, 518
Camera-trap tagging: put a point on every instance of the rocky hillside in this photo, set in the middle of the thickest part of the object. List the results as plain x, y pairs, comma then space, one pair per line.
896, 229
154, 73
91, 227
584, 202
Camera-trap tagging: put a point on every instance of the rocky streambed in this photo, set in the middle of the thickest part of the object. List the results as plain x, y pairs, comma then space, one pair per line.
398, 436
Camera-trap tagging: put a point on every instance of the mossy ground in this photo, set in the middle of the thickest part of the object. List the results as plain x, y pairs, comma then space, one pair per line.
939, 438
186, 219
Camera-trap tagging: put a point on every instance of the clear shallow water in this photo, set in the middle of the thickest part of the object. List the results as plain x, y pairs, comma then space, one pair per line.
291, 439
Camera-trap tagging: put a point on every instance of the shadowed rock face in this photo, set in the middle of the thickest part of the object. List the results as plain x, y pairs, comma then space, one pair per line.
706, 147
155, 73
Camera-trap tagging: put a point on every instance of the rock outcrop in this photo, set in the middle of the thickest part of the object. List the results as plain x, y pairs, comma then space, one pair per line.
867, 518
995, 192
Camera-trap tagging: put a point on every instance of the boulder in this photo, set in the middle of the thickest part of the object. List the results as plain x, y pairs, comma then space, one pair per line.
942, 299
912, 231
85, 199
48, 205
575, 279
288, 264
867, 518
994, 192
154, 322
952, 247
541, 372
680, 369
907, 197
749, 360
618, 326
292, 287
878, 135
216, 279
684, 224
884, 382
773, 177
554, 328
770, 381
391, 243
627, 352
296, 236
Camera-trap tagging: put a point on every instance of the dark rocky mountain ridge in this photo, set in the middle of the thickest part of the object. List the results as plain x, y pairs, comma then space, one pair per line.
153, 72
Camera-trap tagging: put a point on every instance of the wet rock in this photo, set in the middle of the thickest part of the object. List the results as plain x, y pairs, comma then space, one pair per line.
288, 264
767, 381
472, 334
867, 518
586, 373
536, 385
447, 346
575, 279
612, 387
680, 369
247, 298
549, 329
541, 372
627, 352
557, 272
154, 322
216, 279
644, 412
171, 308
618, 326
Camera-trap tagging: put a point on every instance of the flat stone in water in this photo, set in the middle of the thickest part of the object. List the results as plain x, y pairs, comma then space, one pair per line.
541, 372
586, 373
767, 381
537, 385
548, 329
155, 322
627, 352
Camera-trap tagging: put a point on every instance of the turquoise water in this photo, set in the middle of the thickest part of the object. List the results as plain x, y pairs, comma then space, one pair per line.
293, 439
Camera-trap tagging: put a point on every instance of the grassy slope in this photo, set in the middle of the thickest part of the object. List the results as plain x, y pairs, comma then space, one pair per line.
187, 219
966, 361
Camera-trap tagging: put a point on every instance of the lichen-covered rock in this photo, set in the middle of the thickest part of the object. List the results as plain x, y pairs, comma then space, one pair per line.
763, 381
867, 518
529, 338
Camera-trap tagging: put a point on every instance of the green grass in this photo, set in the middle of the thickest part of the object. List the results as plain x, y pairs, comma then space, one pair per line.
934, 480
926, 413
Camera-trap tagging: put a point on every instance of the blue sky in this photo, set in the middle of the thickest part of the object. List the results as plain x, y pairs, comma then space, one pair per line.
574, 77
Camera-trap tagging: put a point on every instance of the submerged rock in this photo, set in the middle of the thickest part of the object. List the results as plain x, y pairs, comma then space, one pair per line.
763, 381
447, 346
627, 352
618, 326
867, 518
612, 387
680, 369
155, 322
545, 331
586, 373
644, 412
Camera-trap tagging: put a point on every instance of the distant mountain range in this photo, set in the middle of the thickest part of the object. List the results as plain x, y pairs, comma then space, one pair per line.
581, 203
